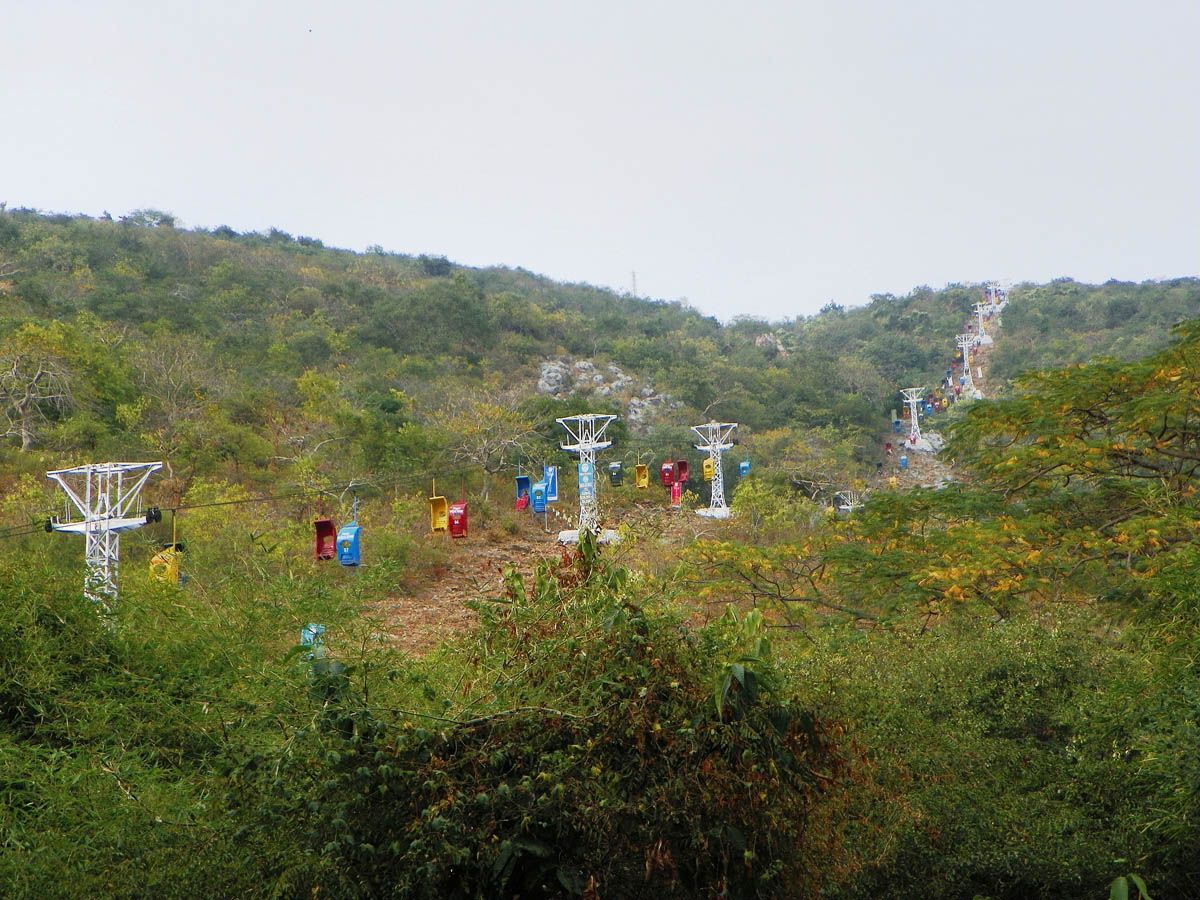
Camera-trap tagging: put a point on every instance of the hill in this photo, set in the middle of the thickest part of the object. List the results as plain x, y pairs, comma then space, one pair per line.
987, 689
237, 353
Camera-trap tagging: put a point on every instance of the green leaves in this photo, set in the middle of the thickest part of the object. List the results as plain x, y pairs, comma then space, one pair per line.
588, 751
745, 680
1119, 889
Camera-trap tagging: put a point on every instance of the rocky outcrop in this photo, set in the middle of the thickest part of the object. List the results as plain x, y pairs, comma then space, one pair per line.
555, 378
770, 344
566, 377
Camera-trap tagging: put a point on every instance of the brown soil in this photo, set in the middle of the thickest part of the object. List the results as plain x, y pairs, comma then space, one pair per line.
417, 620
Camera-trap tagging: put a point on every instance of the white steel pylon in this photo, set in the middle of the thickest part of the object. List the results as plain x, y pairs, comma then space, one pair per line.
848, 501
982, 310
912, 396
717, 437
107, 496
996, 293
965, 342
587, 436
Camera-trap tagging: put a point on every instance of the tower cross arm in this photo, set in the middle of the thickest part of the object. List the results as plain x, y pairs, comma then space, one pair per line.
79, 502
579, 447
715, 433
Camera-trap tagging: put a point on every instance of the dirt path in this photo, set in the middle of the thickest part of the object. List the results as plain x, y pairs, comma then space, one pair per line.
417, 620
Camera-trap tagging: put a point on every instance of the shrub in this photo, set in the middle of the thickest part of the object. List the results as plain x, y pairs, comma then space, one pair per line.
601, 749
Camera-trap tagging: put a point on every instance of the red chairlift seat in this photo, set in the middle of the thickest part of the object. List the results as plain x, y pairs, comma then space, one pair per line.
458, 519
325, 542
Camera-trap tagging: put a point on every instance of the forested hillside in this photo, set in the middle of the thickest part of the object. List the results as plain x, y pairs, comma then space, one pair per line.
987, 690
219, 351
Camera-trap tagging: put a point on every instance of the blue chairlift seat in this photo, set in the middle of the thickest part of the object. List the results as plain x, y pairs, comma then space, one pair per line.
349, 546
523, 482
539, 497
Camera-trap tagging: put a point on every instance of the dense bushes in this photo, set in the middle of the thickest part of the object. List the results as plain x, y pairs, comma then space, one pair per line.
589, 745
114, 734
1013, 760
585, 742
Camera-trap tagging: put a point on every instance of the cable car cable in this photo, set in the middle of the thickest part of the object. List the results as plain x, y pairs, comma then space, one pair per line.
32, 530
414, 479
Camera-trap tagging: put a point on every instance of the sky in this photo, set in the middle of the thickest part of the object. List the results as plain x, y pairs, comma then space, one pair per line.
750, 158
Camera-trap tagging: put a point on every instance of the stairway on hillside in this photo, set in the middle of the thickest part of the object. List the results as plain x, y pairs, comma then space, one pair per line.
924, 469
981, 359
930, 469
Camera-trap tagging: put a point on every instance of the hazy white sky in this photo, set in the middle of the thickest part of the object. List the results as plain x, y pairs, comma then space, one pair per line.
759, 158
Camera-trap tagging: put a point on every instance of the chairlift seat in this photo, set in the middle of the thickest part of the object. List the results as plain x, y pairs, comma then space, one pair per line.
349, 545
325, 541
667, 474
164, 565
458, 519
439, 514
522, 482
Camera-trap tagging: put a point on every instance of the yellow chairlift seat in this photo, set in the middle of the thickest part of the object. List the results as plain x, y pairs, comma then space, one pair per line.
641, 475
439, 512
708, 468
164, 565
